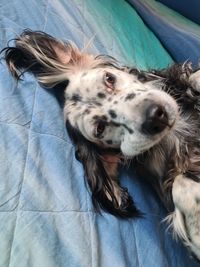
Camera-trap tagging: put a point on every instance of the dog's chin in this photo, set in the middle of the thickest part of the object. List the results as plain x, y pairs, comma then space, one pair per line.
135, 149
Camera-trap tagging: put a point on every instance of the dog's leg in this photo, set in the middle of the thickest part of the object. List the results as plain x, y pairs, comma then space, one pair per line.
195, 80
186, 217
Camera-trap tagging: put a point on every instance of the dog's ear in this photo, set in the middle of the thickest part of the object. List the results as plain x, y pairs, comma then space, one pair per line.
100, 169
47, 58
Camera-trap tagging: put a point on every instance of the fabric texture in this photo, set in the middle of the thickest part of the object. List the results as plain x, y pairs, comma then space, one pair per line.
46, 215
189, 9
179, 35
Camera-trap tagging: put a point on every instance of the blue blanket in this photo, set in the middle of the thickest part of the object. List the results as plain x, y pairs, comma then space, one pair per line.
179, 35
46, 215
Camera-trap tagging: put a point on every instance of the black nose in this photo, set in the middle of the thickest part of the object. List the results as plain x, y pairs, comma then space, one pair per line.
156, 120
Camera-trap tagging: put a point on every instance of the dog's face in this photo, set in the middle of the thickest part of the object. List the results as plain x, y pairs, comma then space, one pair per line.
112, 108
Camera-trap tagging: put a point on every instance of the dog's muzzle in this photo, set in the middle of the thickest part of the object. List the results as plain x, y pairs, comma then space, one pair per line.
156, 120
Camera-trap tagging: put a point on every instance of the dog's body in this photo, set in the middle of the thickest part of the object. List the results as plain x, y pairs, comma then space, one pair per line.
116, 113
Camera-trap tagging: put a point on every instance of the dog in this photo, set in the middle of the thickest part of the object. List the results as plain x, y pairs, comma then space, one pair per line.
115, 114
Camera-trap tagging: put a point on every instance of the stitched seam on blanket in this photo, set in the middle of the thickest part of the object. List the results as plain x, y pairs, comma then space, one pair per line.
46, 15
53, 135
138, 262
39, 133
89, 219
17, 206
91, 245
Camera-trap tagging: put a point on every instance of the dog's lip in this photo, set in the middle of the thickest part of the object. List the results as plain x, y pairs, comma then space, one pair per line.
173, 120
171, 124
139, 149
173, 114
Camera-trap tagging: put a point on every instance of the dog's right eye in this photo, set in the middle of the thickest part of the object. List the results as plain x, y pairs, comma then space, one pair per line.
109, 80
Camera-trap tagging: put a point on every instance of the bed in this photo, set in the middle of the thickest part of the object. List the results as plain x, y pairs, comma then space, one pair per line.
46, 215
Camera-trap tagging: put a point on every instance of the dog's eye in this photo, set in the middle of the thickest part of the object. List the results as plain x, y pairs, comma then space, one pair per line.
109, 80
100, 128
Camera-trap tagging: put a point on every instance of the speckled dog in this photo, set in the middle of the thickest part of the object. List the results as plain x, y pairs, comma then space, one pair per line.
116, 113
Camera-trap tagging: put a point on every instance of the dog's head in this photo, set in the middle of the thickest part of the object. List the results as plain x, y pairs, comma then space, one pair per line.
110, 113
112, 108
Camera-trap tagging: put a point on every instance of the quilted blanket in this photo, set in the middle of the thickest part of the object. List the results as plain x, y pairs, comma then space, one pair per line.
46, 215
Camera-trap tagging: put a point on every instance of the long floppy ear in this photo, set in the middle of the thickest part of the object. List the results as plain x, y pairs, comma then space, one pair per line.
52, 61
47, 58
101, 175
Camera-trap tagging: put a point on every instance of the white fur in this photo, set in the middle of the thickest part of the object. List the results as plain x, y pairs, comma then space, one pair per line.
186, 217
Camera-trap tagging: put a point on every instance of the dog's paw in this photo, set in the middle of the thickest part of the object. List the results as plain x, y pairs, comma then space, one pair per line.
186, 194
186, 197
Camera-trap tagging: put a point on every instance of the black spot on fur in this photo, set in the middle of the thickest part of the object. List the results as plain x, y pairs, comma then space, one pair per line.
112, 113
109, 142
130, 96
133, 71
130, 130
101, 95
84, 74
110, 99
102, 118
96, 117
76, 97
115, 102
197, 199
87, 111
97, 104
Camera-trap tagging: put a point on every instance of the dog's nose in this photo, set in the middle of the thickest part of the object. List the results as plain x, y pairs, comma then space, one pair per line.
156, 120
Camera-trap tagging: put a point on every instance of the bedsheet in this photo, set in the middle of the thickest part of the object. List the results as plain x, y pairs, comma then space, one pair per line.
46, 215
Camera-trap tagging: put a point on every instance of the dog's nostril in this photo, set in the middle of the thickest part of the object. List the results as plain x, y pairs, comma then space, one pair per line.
156, 120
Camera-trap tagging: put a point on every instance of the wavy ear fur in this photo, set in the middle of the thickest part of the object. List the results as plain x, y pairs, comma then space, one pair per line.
47, 58
52, 62
100, 173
